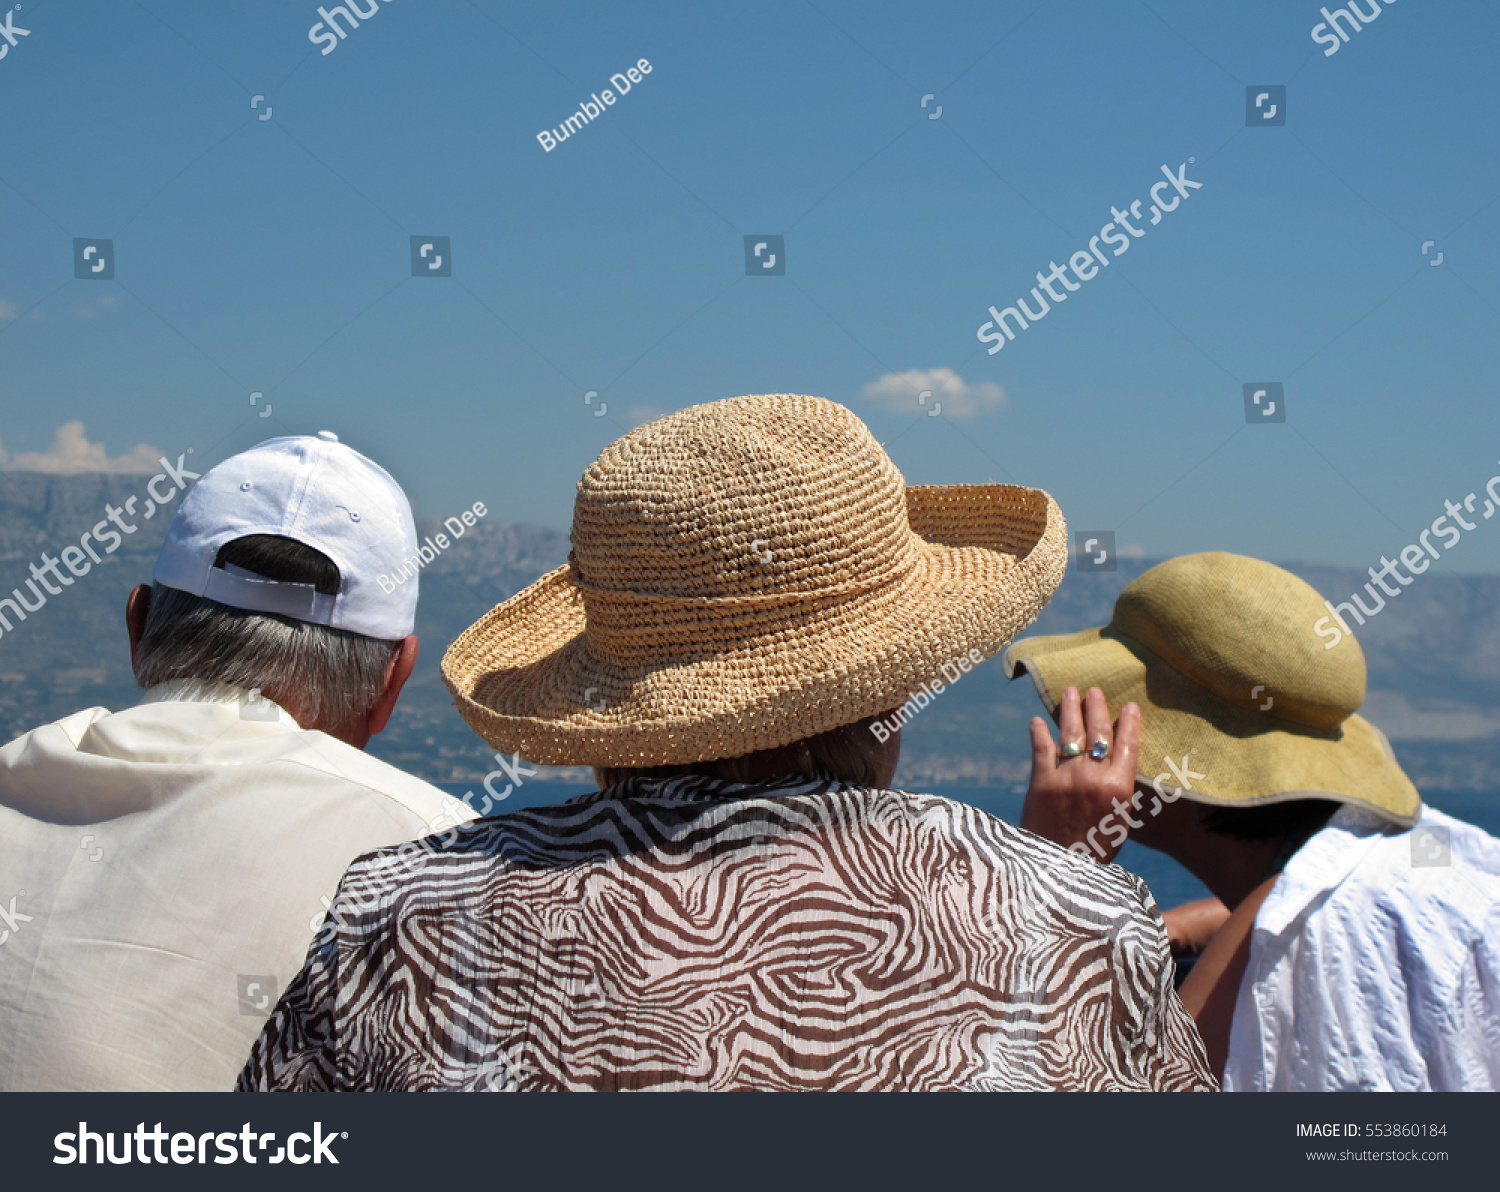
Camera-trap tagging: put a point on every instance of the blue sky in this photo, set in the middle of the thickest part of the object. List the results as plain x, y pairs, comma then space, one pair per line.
273, 255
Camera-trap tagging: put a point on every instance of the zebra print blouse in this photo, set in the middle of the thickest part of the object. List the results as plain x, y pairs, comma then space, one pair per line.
691, 933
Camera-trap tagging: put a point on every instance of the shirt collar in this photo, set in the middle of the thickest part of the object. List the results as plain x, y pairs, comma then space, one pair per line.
1323, 864
204, 691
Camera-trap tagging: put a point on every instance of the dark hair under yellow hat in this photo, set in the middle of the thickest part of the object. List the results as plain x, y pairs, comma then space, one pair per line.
1234, 687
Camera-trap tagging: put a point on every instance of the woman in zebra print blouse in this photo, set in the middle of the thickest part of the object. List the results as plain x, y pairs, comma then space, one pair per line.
744, 904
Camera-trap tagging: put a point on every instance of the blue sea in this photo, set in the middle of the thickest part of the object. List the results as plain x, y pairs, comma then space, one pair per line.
1170, 883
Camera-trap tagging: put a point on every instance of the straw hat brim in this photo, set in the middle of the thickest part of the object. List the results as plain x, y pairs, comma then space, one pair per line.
1247, 757
987, 559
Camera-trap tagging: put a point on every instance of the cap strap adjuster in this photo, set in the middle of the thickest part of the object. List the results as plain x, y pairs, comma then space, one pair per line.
243, 589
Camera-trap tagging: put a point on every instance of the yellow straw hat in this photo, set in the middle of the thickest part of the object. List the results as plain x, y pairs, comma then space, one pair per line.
744, 574
1234, 685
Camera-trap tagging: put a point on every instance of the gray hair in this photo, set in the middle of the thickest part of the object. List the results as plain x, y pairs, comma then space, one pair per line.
328, 678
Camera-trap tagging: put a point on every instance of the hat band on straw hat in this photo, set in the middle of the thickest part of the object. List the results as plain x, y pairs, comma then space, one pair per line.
854, 587
630, 626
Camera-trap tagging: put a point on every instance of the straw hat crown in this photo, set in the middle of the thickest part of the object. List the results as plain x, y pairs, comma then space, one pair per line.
1236, 625
815, 506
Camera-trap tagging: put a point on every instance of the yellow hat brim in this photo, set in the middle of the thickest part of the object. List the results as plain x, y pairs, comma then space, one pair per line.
1247, 757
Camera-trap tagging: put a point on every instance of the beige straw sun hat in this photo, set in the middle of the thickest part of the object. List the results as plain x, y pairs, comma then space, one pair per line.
1234, 684
744, 574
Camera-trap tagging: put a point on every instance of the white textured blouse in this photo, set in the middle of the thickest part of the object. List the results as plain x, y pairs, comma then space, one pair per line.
1375, 963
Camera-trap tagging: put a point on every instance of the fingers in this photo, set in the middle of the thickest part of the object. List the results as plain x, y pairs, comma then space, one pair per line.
1043, 751
1070, 720
1096, 719
1127, 747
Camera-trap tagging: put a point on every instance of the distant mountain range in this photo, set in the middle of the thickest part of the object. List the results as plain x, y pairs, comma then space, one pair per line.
1434, 653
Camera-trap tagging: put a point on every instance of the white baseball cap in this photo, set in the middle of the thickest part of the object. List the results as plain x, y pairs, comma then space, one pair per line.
321, 493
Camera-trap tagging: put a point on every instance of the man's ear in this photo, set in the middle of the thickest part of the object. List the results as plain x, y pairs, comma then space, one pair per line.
402, 663
137, 609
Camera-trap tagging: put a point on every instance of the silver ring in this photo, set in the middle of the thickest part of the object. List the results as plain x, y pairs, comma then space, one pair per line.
1071, 749
1100, 751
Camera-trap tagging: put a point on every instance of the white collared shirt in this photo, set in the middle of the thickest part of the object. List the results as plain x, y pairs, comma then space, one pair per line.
1375, 963
163, 871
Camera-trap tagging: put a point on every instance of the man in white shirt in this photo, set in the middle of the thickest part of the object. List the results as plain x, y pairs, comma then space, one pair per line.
1357, 946
163, 869
1395, 933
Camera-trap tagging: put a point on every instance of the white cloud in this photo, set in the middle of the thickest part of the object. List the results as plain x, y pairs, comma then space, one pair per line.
8, 310
640, 415
72, 453
902, 392
85, 312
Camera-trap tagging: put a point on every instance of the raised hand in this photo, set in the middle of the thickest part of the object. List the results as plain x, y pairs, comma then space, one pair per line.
1071, 796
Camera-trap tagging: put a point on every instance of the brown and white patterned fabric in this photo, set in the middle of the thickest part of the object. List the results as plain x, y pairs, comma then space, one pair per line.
696, 934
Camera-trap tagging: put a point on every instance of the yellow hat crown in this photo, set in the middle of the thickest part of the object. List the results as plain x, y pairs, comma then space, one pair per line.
1243, 629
